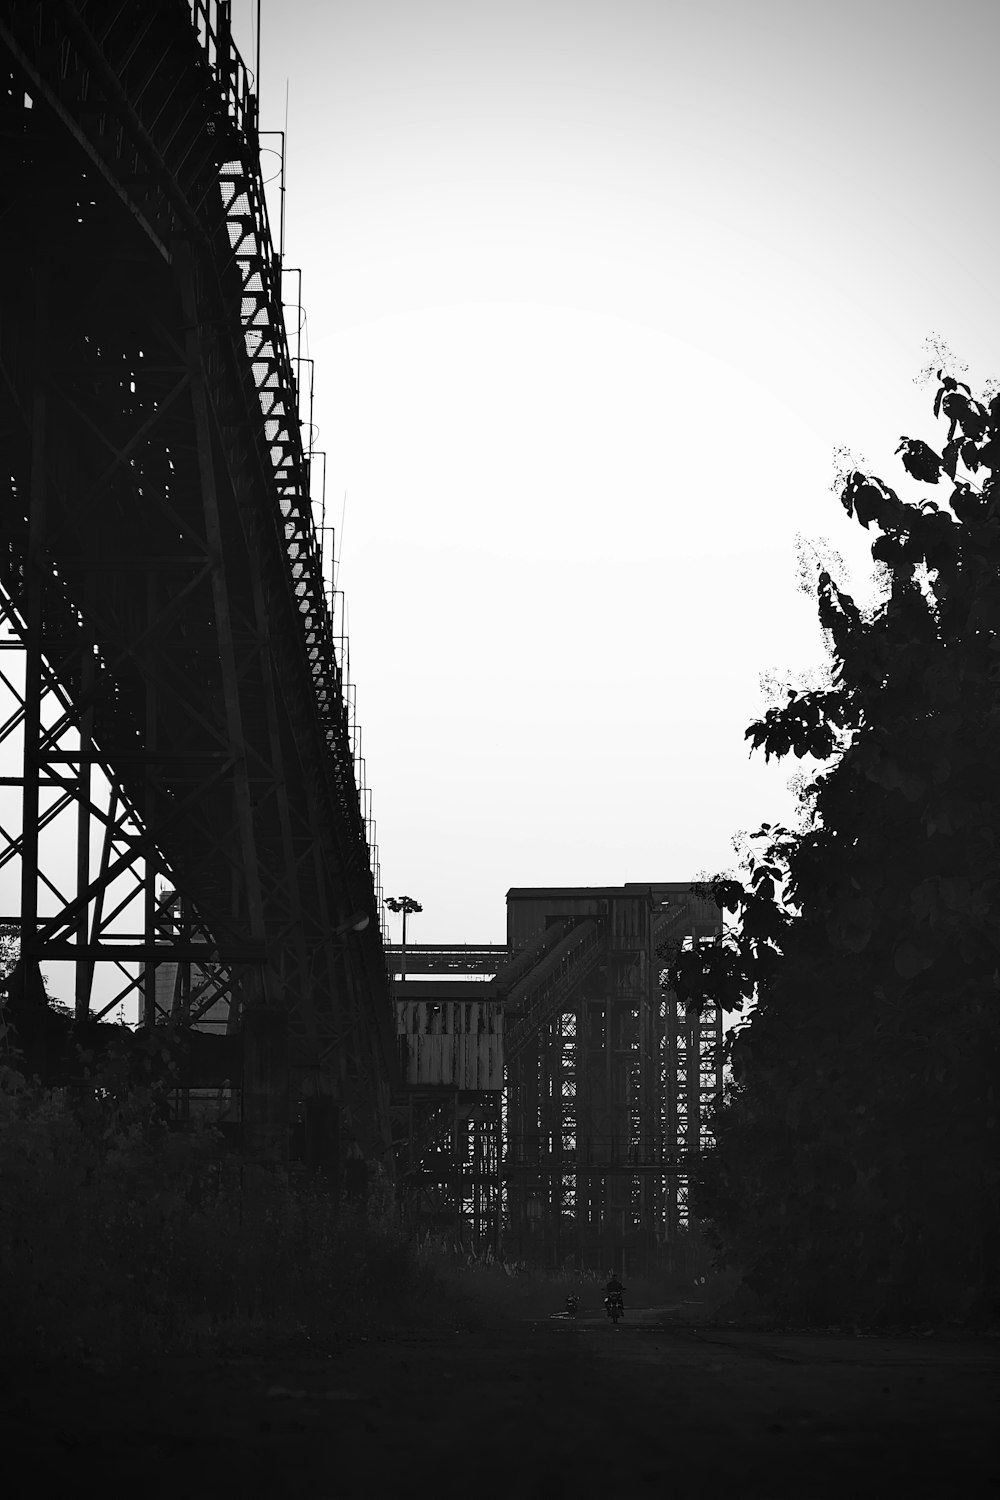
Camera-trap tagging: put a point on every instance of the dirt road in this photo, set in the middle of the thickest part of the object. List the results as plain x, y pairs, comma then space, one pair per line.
547, 1408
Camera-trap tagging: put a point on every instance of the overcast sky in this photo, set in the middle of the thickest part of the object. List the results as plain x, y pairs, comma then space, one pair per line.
594, 291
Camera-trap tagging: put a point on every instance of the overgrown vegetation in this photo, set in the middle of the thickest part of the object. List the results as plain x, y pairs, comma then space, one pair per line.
120, 1235
855, 1177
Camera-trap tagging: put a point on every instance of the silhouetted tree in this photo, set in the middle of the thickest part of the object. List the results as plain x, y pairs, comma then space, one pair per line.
9, 949
855, 1173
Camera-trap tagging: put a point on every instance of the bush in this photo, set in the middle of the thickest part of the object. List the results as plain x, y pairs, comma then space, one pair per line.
121, 1235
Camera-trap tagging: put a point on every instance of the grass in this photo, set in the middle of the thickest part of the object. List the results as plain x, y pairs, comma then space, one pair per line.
121, 1237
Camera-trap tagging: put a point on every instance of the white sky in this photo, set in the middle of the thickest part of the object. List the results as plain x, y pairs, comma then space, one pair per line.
594, 290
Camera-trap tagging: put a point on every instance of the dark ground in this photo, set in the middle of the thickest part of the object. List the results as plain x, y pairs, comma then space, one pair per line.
547, 1408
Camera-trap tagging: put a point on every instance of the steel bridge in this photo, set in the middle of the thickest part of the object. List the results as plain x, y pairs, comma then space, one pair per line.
186, 819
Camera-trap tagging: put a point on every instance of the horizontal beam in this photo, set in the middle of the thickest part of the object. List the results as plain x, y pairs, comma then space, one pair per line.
596, 1169
147, 953
447, 958
65, 781
142, 757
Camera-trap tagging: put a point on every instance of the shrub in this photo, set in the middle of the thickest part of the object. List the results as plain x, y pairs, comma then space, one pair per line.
120, 1234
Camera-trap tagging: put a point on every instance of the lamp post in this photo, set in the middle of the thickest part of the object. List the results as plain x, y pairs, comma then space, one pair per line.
403, 904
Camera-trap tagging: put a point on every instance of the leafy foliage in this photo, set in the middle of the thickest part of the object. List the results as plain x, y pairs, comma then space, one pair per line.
122, 1235
855, 1175
9, 948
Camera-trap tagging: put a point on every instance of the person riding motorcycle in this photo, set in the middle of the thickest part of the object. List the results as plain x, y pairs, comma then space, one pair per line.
614, 1289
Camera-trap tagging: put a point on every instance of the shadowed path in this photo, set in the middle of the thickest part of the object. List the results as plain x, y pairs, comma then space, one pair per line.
546, 1408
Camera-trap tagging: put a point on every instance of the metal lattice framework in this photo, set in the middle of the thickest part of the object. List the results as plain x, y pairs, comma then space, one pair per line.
608, 1082
176, 702
448, 1118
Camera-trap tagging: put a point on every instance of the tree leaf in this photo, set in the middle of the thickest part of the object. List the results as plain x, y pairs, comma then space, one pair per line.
920, 460
909, 959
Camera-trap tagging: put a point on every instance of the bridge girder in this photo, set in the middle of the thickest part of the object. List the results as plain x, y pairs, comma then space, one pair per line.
178, 711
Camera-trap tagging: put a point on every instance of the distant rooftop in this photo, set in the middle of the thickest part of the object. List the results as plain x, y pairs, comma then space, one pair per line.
583, 892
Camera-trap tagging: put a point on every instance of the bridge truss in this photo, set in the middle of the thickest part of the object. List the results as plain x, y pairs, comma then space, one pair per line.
183, 793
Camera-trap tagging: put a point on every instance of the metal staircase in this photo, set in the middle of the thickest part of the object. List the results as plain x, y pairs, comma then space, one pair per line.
550, 980
523, 962
542, 976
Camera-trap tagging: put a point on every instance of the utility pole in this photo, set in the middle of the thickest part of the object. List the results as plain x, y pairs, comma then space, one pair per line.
403, 904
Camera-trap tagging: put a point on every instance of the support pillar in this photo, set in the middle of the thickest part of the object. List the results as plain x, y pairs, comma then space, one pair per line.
265, 1087
84, 972
34, 583
322, 1140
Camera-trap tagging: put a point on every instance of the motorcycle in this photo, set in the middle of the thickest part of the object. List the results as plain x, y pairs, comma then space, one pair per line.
615, 1306
572, 1303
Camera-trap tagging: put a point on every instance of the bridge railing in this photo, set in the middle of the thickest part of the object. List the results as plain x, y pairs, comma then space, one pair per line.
270, 363
212, 21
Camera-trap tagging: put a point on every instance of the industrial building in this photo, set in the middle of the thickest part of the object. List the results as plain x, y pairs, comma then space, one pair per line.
556, 1096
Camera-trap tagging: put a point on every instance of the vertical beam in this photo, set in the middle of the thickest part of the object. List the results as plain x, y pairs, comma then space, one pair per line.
322, 1138
581, 1112
185, 935
527, 1069
617, 1185
543, 1128
552, 1133
256, 984
651, 1187
85, 967
265, 1093
84, 971
149, 913
457, 1164
669, 1087
220, 597
692, 1080
34, 583
476, 1148
306, 1007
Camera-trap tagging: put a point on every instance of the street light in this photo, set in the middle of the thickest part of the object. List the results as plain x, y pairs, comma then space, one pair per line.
404, 904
